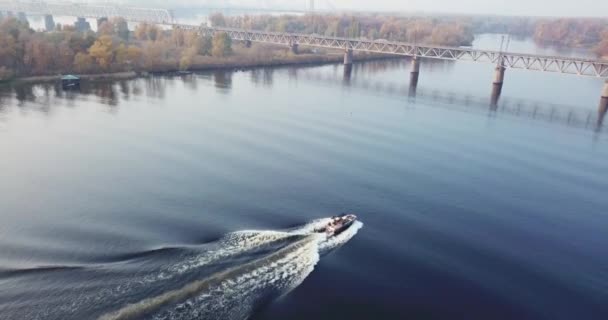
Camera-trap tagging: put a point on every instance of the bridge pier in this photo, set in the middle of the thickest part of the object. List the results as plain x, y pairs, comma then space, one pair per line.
603, 107
348, 57
247, 43
414, 74
348, 72
499, 78
294, 48
49, 22
348, 63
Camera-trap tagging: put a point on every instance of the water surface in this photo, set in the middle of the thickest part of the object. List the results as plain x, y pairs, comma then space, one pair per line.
469, 213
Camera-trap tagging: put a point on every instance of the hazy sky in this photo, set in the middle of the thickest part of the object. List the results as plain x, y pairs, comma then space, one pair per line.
598, 8
502, 7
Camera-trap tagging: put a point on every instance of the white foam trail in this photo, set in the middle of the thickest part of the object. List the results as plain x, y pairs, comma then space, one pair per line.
232, 294
235, 293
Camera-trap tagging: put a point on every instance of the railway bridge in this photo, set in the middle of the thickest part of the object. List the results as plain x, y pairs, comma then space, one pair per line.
417, 52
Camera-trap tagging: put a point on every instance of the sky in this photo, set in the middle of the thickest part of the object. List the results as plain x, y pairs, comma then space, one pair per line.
499, 7
596, 8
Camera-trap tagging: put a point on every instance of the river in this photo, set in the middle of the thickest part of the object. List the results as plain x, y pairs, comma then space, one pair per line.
467, 212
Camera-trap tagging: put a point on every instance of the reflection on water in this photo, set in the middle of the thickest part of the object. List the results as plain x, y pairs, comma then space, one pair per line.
360, 77
473, 211
223, 80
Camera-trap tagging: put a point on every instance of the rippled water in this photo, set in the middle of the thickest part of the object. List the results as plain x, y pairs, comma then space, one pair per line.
469, 213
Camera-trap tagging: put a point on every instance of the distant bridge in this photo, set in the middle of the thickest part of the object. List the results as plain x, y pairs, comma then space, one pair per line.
568, 65
150, 15
502, 60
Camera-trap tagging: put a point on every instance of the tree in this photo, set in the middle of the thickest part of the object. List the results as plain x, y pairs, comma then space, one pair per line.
134, 55
121, 28
6, 73
141, 31
83, 62
187, 58
154, 33
205, 46
105, 28
79, 43
222, 45
121, 56
372, 34
154, 54
65, 56
102, 51
8, 51
354, 30
38, 55
217, 20
333, 29
178, 37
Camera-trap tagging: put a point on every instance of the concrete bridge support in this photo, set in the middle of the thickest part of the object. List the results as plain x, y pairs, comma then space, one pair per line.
294, 48
603, 107
348, 72
348, 57
499, 78
247, 43
348, 63
414, 74
49, 22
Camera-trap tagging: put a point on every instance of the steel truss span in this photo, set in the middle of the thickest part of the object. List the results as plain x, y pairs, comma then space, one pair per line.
577, 66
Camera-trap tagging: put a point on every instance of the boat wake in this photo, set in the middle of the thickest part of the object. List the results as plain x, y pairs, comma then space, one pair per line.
227, 279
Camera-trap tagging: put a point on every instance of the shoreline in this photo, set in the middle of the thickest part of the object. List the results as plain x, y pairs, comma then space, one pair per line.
305, 60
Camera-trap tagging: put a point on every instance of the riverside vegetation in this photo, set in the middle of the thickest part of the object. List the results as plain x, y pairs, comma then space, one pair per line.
448, 30
114, 48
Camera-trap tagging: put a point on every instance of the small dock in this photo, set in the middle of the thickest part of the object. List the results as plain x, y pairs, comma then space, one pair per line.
70, 82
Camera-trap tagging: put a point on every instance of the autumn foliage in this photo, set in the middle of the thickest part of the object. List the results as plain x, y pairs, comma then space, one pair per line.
584, 33
113, 48
445, 31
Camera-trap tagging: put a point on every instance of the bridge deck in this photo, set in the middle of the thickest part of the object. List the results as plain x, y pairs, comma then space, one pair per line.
568, 65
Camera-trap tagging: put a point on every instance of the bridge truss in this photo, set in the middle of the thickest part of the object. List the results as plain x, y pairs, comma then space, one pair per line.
566, 65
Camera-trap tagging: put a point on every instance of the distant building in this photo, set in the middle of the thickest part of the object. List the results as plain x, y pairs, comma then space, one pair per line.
82, 25
49, 22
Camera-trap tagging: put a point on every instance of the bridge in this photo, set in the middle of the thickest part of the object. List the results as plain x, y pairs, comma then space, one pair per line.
502, 60
149, 15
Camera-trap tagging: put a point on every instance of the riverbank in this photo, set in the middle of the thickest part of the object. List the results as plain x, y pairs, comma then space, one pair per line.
230, 63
